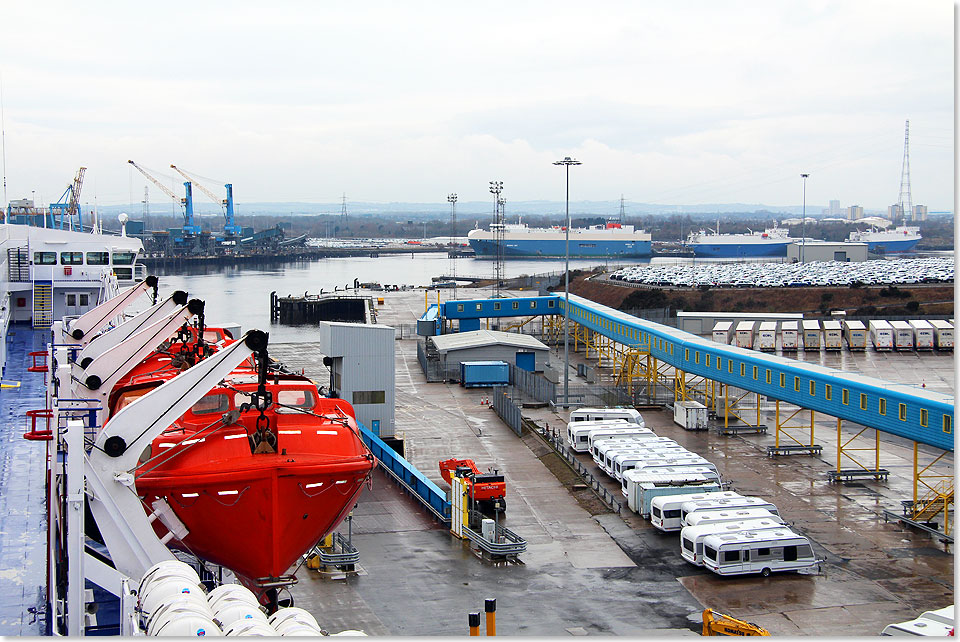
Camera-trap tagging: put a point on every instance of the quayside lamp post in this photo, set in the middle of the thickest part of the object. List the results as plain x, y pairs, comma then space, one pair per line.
803, 221
567, 162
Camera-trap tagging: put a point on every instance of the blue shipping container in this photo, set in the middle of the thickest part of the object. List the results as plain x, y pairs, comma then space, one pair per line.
476, 374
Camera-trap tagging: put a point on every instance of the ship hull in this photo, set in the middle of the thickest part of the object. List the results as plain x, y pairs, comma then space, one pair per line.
485, 248
739, 250
889, 247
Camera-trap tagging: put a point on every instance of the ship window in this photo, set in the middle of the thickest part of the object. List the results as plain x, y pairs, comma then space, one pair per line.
44, 258
71, 299
124, 258
128, 397
124, 274
369, 396
71, 258
211, 404
84, 300
98, 258
863, 401
903, 412
827, 392
844, 396
923, 417
883, 406
295, 400
947, 423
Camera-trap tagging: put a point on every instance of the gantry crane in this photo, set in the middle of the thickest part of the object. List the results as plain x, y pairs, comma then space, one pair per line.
69, 205
190, 228
230, 228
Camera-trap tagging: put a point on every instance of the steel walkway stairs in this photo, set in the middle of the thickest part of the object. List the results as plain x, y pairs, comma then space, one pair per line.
937, 501
42, 304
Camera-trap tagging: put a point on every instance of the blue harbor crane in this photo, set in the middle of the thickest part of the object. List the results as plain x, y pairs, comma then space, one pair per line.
230, 229
68, 206
190, 229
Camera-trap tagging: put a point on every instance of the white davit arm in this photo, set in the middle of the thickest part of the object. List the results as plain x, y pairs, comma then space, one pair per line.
97, 380
81, 330
128, 533
106, 340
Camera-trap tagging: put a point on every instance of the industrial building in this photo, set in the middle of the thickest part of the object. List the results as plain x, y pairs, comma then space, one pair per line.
522, 350
826, 251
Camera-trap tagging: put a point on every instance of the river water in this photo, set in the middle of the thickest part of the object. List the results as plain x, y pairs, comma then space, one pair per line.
242, 294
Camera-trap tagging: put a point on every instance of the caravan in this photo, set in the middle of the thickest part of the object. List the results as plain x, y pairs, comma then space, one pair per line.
578, 432
691, 537
603, 414
719, 504
763, 552
631, 477
619, 432
665, 511
645, 486
730, 515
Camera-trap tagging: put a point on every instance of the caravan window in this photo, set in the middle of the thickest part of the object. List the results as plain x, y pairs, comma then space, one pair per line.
804, 551
731, 556
789, 553
710, 553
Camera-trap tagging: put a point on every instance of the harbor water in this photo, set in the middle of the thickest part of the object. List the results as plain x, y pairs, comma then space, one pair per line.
242, 294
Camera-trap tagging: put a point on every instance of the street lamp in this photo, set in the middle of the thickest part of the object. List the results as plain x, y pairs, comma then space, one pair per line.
567, 161
497, 228
803, 221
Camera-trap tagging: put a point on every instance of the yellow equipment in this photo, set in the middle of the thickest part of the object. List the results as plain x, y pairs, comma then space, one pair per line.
719, 624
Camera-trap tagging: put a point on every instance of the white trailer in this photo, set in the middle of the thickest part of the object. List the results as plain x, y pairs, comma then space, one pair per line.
767, 336
623, 461
665, 511
715, 504
660, 450
630, 477
922, 334
942, 334
646, 486
606, 440
811, 334
629, 431
761, 552
788, 336
692, 415
881, 334
744, 338
732, 515
721, 331
578, 432
902, 335
855, 334
832, 335
691, 537
919, 626
601, 414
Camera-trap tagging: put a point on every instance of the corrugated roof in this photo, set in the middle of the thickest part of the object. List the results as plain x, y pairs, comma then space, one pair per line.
480, 338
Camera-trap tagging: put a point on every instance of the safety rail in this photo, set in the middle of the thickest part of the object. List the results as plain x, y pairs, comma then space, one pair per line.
341, 552
849, 474
556, 440
505, 542
890, 515
41, 365
407, 475
793, 449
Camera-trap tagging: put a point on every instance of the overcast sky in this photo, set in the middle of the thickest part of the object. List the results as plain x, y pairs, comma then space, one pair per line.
671, 102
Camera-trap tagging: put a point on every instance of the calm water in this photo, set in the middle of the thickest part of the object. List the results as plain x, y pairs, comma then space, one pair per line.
242, 295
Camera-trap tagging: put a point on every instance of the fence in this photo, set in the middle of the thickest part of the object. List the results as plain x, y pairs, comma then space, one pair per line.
507, 409
556, 440
532, 384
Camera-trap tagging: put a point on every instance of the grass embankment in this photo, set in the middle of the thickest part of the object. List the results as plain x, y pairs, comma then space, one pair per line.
858, 301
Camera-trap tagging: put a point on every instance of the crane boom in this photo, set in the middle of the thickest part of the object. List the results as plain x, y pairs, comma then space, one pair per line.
213, 197
166, 190
74, 204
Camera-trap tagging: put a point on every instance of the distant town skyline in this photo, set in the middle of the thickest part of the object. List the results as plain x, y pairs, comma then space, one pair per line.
691, 103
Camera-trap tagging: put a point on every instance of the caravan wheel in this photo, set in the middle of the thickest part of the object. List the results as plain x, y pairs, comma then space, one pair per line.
765, 572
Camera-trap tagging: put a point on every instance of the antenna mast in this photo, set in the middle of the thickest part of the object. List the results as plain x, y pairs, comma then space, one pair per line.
906, 202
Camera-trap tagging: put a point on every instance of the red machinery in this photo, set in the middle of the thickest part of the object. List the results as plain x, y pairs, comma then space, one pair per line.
488, 490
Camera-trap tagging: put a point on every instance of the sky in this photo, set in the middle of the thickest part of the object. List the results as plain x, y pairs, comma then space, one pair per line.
672, 102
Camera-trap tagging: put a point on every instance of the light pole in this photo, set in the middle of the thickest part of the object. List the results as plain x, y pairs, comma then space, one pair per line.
496, 187
453, 249
567, 161
803, 221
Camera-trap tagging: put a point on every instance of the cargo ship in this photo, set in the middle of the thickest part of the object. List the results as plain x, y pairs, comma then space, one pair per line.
900, 239
771, 242
519, 240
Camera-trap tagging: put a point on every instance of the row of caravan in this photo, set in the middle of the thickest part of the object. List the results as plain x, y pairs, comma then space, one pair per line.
832, 334
674, 488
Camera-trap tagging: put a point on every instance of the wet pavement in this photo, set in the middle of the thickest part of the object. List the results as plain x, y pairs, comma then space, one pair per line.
590, 572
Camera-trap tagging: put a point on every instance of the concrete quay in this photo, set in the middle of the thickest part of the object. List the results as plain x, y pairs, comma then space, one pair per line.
590, 571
